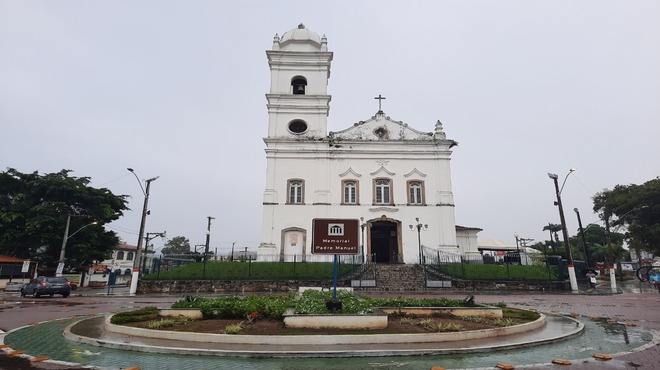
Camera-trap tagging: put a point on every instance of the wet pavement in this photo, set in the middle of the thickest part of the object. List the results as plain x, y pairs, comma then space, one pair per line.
635, 308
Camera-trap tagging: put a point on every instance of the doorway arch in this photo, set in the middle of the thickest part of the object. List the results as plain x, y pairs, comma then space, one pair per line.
384, 242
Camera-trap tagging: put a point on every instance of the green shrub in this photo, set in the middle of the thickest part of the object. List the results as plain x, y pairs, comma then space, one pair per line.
428, 324
271, 307
233, 329
143, 314
490, 321
162, 323
312, 302
514, 313
407, 321
416, 302
448, 327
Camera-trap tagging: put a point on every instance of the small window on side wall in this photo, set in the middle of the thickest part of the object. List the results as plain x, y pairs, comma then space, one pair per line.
296, 191
298, 85
129, 256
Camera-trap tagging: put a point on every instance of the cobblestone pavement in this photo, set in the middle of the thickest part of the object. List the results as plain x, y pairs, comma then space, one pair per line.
637, 305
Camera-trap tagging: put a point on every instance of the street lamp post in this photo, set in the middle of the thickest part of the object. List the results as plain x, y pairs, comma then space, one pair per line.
419, 228
569, 256
60, 265
362, 252
206, 246
584, 240
517, 242
138, 253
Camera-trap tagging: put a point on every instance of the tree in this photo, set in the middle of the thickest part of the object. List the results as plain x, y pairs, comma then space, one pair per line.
34, 210
177, 246
636, 207
596, 240
554, 229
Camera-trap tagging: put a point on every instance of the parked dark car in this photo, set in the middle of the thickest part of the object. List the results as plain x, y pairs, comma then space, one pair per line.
46, 285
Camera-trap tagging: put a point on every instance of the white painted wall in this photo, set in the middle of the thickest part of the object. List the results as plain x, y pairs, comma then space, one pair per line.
377, 147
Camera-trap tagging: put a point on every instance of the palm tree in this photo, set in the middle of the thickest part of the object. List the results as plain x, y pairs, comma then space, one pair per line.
553, 229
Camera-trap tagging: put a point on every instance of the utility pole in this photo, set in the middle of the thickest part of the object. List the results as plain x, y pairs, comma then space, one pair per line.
147, 239
232, 252
584, 241
208, 241
569, 256
138, 253
608, 241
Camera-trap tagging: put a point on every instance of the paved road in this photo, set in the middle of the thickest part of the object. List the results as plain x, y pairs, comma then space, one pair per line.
634, 306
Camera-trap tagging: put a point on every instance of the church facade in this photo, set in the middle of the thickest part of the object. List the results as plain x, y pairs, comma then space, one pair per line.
393, 178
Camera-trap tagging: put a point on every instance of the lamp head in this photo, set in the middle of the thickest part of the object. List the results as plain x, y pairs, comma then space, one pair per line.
572, 170
576, 210
130, 169
553, 176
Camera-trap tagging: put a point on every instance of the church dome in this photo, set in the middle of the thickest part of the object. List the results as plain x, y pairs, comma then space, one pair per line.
300, 34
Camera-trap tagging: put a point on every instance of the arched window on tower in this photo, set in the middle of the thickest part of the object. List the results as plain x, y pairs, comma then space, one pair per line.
298, 85
296, 190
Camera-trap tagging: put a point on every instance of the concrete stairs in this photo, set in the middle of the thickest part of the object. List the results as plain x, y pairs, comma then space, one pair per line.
399, 277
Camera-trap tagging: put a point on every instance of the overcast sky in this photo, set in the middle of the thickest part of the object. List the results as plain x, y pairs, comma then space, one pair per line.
176, 89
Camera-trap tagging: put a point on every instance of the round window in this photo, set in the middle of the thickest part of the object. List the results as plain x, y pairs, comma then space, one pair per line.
297, 126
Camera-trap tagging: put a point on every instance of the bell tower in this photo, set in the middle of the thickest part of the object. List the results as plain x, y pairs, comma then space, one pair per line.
298, 102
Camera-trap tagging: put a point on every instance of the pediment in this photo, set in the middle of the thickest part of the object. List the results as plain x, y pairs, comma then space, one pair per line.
382, 170
381, 128
350, 171
415, 171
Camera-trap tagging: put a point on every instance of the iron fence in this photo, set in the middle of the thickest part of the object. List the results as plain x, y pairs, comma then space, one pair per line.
279, 267
512, 266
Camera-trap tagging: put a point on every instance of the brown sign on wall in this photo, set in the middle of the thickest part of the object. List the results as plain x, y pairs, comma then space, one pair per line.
335, 236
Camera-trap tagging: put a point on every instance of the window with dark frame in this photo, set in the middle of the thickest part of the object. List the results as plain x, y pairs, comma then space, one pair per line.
383, 191
350, 195
415, 193
296, 192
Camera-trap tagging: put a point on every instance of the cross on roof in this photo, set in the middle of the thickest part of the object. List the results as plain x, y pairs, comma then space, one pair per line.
380, 100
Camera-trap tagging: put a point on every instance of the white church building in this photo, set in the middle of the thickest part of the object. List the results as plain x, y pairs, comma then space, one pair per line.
393, 178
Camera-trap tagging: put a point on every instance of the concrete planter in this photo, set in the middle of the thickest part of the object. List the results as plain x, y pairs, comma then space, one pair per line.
336, 321
374, 339
191, 313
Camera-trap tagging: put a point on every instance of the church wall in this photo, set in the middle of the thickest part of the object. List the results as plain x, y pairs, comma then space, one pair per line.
376, 148
321, 171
